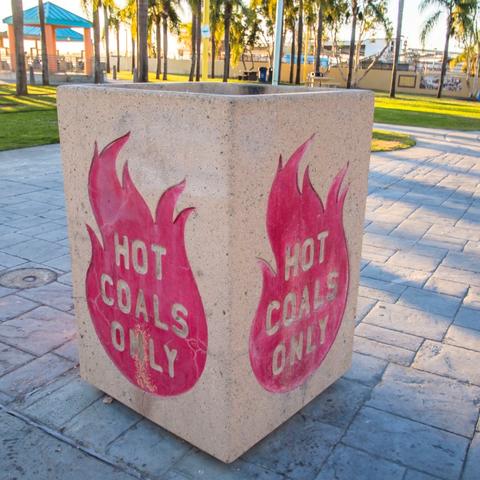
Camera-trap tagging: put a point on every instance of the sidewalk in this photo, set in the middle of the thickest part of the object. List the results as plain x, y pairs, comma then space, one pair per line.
407, 410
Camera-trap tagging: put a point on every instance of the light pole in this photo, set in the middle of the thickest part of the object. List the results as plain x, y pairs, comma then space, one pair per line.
277, 50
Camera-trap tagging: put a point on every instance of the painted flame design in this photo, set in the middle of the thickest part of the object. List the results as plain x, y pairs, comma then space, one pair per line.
300, 312
137, 346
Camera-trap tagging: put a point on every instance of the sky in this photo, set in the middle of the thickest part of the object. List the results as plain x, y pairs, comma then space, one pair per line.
412, 20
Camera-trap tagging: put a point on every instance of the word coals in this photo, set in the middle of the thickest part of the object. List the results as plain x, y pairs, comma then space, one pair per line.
153, 331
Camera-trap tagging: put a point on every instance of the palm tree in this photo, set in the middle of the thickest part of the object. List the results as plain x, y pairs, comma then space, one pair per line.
114, 20
226, 39
215, 26
193, 33
299, 41
93, 6
353, 35
106, 33
142, 45
156, 14
454, 9
41, 16
199, 40
397, 49
319, 36
20, 67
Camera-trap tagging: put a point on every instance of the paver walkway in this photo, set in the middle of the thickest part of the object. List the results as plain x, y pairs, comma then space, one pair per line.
407, 410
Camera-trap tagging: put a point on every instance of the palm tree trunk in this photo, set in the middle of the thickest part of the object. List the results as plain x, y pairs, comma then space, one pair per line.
158, 46
20, 67
165, 47
445, 55
352, 43
477, 72
319, 39
226, 40
142, 30
41, 15
214, 48
292, 55
118, 47
199, 41
393, 83
194, 47
96, 44
107, 36
299, 42
133, 54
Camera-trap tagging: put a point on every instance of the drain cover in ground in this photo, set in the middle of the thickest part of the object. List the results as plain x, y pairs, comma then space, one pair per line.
27, 278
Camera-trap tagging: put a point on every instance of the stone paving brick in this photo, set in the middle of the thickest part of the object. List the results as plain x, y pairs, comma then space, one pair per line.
64, 403
338, 404
297, 448
65, 278
10, 239
6, 291
55, 234
377, 294
382, 350
411, 443
416, 475
386, 241
381, 285
100, 424
472, 300
395, 274
12, 305
28, 453
456, 232
38, 331
463, 261
346, 463
366, 369
9, 261
408, 320
431, 302
427, 251
390, 337
37, 250
149, 447
34, 374
472, 247
57, 295
197, 465
410, 260
364, 305
463, 337
447, 287
62, 263
69, 350
381, 227
456, 275
468, 318
5, 399
448, 243
11, 358
376, 254
449, 361
411, 229
427, 398
472, 465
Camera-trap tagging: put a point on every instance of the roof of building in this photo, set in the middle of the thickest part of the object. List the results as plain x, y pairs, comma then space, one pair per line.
54, 15
61, 34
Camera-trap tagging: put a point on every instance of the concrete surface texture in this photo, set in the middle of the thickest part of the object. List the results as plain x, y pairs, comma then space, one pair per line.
154, 293
408, 409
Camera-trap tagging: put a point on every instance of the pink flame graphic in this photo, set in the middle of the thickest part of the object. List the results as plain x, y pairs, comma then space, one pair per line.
141, 293
303, 302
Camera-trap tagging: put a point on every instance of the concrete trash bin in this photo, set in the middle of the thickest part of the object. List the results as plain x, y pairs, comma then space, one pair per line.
216, 234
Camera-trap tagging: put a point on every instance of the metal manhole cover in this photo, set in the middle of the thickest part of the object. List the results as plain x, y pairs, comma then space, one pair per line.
27, 278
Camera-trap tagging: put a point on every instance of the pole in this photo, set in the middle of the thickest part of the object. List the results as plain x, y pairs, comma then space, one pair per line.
397, 49
278, 42
205, 39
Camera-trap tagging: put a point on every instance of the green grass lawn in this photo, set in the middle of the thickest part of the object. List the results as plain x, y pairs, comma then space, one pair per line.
420, 111
30, 121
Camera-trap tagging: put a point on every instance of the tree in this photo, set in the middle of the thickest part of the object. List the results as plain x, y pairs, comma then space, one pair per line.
226, 39
467, 32
319, 36
20, 66
299, 41
115, 20
93, 6
215, 30
106, 33
455, 10
142, 45
353, 36
41, 17
398, 39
